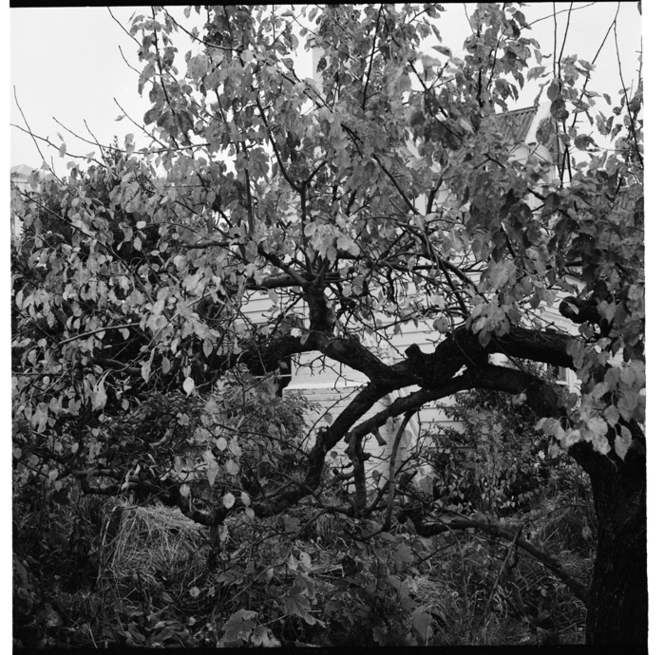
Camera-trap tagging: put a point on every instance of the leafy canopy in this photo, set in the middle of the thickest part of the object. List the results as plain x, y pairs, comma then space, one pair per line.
380, 194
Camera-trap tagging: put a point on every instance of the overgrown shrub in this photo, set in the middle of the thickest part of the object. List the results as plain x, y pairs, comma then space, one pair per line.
128, 572
495, 465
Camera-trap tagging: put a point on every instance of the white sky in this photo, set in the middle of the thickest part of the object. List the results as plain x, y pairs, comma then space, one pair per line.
65, 64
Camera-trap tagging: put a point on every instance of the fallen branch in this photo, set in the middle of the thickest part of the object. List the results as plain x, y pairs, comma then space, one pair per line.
430, 529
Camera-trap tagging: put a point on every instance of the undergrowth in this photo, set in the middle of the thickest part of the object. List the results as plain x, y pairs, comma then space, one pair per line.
140, 576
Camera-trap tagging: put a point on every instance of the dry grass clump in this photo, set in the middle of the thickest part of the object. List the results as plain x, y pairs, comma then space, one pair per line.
148, 548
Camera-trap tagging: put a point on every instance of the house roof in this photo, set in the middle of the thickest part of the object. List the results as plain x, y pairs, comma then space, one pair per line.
20, 171
517, 123
20, 176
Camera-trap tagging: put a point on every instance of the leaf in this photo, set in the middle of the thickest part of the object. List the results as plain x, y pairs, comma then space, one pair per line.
202, 435
612, 415
403, 554
235, 448
441, 324
291, 524
145, 369
622, 443
443, 50
570, 438
212, 472
428, 61
228, 500
535, 72
553, 92
421, 622
298, 604
584, 142
264, 638
186, 121
208, 347
558, 109
232, 467
239, 626
194, 592
221, 443
150, 116
397, 583
188, 386
344, 243
598, 426
99, 398
180, 261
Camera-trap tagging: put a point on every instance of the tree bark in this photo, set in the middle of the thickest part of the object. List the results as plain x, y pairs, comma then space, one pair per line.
617, 602
618, 599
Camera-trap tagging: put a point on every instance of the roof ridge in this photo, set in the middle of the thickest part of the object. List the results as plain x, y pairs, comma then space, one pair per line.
516, 123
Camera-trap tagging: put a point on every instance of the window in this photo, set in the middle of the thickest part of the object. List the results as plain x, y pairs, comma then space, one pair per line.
560, 374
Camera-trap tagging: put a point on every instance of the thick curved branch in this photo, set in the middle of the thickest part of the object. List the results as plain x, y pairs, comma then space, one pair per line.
352, 353
275, 261
430, 529
462, 348
116, 365
408, 404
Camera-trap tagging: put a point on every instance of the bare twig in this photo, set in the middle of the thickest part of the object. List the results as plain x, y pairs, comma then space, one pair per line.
371, 58
555, 43
291, 182
87, 127
562, 45
104, 329
142, 128
29, 129
594, 59
630, 113
510, 550
126, 62
124, 29
531, 23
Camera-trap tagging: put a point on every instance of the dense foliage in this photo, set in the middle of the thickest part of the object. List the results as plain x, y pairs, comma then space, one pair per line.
381, 195
93, 570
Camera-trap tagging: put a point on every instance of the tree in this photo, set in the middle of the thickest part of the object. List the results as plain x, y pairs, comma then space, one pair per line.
380, 195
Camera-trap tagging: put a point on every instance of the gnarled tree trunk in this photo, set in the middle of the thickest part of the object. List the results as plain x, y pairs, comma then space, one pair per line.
618, 599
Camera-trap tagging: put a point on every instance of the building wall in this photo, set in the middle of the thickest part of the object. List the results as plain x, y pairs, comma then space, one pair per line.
330, 387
